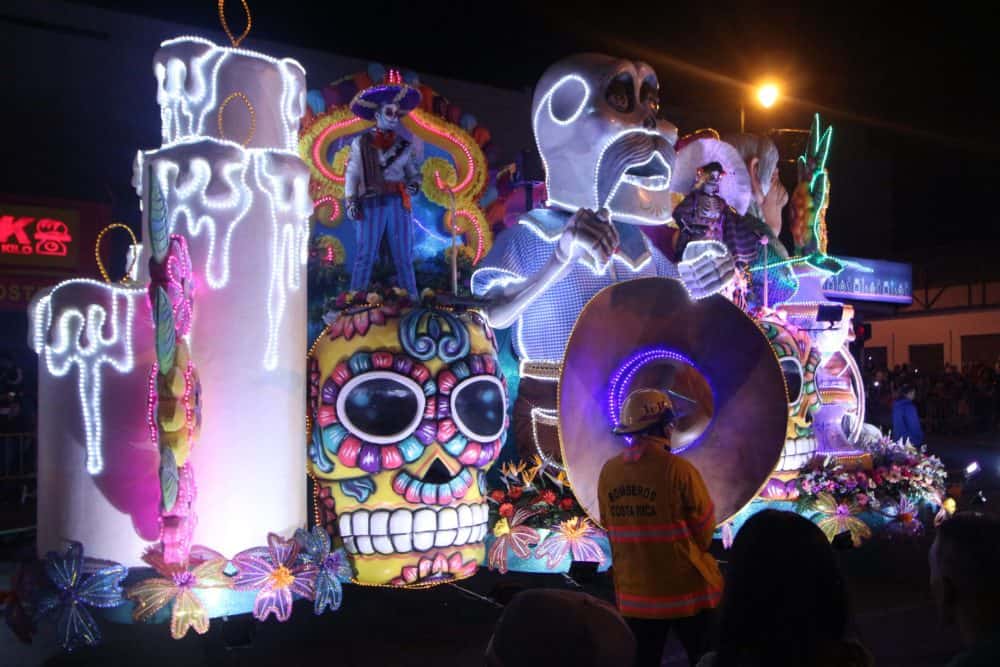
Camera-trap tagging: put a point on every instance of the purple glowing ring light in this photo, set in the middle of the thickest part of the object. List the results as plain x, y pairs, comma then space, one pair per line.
622, 378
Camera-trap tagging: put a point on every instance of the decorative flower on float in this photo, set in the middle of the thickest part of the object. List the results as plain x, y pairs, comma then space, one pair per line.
277, 573
840, 517
177, 584
903, 518
76, 583
514, 535
353, 313
534, 487
577, 537
333, 568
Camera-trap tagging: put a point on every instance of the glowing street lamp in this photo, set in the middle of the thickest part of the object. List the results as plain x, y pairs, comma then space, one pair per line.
767, 96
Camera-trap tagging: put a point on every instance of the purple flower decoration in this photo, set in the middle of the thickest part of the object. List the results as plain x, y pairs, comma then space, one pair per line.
72, 590
333, 568
276, 573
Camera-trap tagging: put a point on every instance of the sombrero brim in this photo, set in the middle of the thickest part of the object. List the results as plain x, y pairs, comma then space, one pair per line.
367, 102
740, 445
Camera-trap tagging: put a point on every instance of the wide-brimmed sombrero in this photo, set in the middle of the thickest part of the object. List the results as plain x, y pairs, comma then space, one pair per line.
734, 187
392, 90
649, 333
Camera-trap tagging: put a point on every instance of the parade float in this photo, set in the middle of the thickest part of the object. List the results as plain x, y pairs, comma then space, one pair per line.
469, 358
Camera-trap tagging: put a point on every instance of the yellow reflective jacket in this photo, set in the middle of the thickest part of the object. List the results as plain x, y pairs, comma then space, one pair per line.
660, 520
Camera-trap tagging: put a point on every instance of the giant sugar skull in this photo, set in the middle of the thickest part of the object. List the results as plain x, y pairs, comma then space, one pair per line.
799, 359
409, 410
594, 119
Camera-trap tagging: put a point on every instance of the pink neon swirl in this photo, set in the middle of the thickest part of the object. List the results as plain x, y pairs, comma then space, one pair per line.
448, 136
464, 213
329, 199
321, 140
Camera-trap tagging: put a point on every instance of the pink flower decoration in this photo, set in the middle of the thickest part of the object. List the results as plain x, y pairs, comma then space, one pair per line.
514, 536
575, 536
440, 569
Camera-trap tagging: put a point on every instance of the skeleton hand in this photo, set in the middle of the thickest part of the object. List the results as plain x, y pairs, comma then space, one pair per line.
588, 233
707, 268
413, 187
353, 209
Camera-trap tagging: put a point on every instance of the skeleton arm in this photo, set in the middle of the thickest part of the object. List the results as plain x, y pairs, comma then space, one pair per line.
354, 180
411, 169
585, 234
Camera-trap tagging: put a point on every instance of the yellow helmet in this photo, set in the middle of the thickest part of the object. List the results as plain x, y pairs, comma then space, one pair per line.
642, 409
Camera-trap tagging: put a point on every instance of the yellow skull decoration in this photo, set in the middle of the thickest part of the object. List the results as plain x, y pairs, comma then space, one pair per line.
408, 411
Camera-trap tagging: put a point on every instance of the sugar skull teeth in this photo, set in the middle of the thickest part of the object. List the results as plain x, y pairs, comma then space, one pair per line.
404, 531
796, 454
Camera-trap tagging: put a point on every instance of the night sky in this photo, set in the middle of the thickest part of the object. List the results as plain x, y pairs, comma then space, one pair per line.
911, 88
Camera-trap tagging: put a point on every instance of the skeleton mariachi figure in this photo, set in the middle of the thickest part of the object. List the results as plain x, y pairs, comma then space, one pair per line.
382, 174
718, 195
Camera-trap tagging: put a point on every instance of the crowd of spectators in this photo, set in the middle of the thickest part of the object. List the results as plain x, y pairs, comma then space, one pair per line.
953, 402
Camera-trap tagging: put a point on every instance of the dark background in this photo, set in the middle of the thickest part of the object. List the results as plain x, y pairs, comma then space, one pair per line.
909, 89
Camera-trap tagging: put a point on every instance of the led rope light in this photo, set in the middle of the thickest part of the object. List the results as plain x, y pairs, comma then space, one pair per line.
79, 341
622, 378
288, 240
292, 98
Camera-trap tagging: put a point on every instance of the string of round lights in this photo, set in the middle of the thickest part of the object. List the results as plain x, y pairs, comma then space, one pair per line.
97, 251
253, 116
225, 25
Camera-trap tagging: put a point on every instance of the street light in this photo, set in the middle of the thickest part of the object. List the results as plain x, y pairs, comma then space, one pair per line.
767, 95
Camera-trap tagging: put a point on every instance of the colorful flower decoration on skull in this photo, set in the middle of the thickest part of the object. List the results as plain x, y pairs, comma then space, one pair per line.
406, 417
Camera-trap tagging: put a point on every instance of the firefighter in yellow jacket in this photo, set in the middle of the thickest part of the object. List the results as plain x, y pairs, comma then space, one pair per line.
660, 519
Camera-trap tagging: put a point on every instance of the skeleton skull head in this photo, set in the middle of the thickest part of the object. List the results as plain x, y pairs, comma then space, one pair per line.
594, 119
409, 411
387, 117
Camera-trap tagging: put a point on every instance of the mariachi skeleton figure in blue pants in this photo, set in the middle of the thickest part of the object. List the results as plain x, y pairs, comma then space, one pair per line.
382, 174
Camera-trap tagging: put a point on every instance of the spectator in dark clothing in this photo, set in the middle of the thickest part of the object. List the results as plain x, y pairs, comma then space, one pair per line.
558, 628
965, 581
905, 420
785, 601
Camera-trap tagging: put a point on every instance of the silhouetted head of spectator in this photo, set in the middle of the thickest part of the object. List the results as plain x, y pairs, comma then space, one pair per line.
908, 391
557, 628
785, 601
965, 573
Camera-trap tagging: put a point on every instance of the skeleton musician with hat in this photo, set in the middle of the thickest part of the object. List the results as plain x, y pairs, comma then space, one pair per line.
383, 171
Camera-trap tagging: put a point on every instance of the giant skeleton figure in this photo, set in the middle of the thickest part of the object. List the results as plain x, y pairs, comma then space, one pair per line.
608, 169
382, 173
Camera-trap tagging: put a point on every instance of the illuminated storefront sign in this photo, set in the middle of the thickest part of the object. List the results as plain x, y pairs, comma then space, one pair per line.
44, 241
38, 238
872, 280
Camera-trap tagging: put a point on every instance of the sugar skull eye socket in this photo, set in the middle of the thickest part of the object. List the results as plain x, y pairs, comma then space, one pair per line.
478, 406
621, 93
381, 407
793, 378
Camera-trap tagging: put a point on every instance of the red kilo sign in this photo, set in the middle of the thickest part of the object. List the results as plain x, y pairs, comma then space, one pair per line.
38, 238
